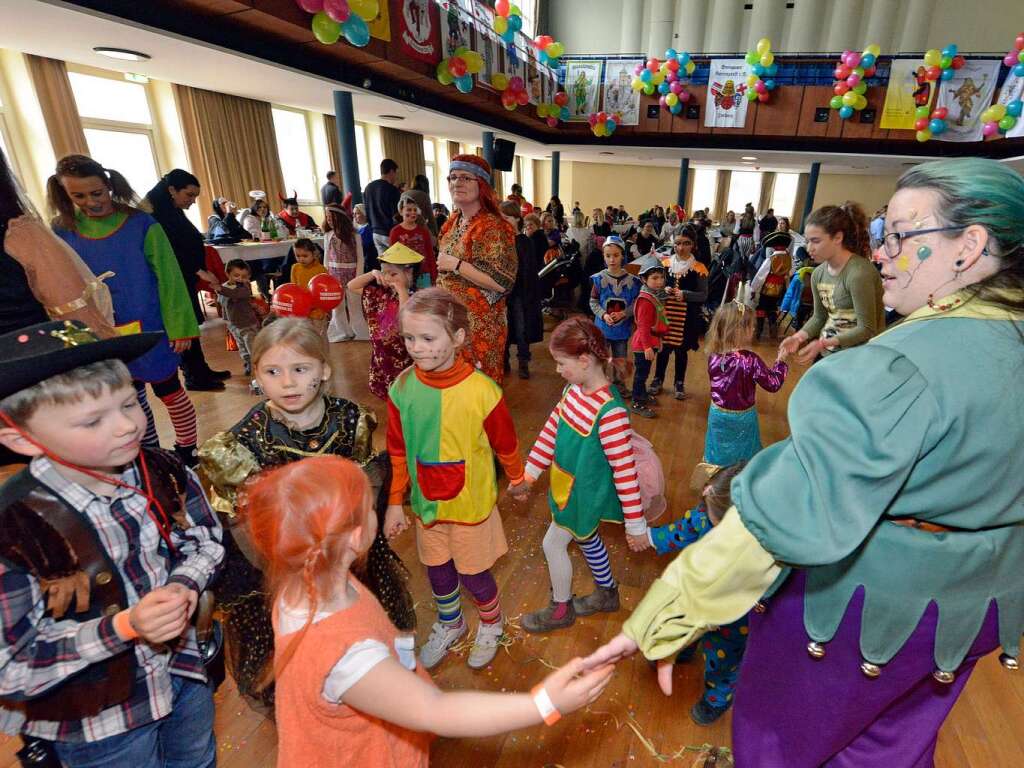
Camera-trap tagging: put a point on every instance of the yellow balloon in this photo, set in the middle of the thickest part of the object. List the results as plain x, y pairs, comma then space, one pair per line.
690, 66
763, 46
850, 99
499, 80
599, 129
862, 101
924, 135
874, 49
637, 84
998, 112
365, 9
671, 99
658, 77
474, 62
752, 80
932, 57
500, 25
767, 59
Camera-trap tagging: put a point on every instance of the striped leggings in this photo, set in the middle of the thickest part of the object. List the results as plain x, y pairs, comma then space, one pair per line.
556, 550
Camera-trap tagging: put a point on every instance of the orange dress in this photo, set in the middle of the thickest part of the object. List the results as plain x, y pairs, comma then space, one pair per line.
488, 243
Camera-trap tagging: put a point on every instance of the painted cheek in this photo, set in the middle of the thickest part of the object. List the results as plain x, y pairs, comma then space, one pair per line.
903, 263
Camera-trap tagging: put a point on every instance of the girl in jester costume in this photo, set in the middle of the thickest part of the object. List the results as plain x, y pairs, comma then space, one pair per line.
587, 443
446, 423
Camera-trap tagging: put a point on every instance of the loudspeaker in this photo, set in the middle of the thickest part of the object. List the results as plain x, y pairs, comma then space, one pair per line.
504, 154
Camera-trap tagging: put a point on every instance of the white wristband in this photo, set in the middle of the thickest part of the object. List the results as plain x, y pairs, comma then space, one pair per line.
548, 712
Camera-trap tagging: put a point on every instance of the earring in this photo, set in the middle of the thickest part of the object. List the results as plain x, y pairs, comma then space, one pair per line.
958, 262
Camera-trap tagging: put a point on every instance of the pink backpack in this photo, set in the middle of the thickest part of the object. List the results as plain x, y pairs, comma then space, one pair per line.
651, 476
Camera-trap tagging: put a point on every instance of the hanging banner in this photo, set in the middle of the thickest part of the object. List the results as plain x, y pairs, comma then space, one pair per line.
456, 26
1013, 89
489, 46
966, 96
533, 77
515, 62
380, 25
583, 84
419, 30
619, 97
908, 89
727, 94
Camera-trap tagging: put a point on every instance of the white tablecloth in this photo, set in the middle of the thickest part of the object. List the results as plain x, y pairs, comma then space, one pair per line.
253, 251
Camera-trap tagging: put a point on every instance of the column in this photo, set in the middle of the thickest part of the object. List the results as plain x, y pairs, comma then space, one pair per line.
914, 36
684, 176
812, 187
488, 149
881, 23
723, 33
805, 33
842, 31
345, 119
630, 26
659, 32
555, 160
690, 24
766, 21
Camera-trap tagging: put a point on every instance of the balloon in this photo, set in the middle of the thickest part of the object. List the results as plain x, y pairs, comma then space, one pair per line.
563, 114
337, 10
932, 57
555, 50
989, 129
592, 119
516, 83
646, 75
648, 89
600, 130
500, 81
752, 80
937, 126
842, 72
355, 30
767, 59
637, 84
552, 122
652, 65
610, 126
846, 112
522, 98
658, 77
672, 99
753, 57
543, 110
444, 77
325, 29
311, 6
946, 62
1019, 42
1018, 70
561, 98
759, 87
1014, 108
764, 45
291, 300
684, 58
869, 72
367, 10
513, 10
684, 96
940, 113
853, 60
457, 66
690, 66
474, 62
758, 70
673, 65
675, 109
1010, 59
773, 69
853, 79
861, 102
841, 89
671, 53
874, 49
543, 41
849, 98
602, 117
465, 83
501, 7
860, 88
676, 88
867, 60
664, 88
326, 292
500, 25
836, 102
1007, 123
509, 35
763, 97
998, 111
921, 124
947, 74
515, 23
923, 136
933, 73
508, 100
1020, 57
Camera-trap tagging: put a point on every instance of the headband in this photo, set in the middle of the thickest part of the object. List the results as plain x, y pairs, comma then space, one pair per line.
476, 170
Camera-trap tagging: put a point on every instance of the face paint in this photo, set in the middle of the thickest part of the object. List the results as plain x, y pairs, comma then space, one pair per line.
924, 252
902, 263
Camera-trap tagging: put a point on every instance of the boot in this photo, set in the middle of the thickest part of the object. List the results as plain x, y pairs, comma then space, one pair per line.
703, 713
601, 600
544, 620
524, 369
654, 388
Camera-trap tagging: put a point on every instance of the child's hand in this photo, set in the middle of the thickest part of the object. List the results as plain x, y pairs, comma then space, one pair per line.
161, 615
609, 317
638, 543
190, 594
810, 351
615, 650
379, 278
209, 277
519, 491
617, 317
649, 354
791, 344
572, 688
395, 520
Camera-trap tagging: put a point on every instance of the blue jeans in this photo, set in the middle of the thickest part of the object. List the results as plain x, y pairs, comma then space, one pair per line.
183, 739
641, 370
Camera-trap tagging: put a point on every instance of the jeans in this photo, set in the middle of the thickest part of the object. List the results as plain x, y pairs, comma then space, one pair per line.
642, 371
382, 242
183, 739
662, 365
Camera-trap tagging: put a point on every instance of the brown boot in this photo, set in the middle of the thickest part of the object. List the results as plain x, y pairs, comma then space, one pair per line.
544, 620
601, 600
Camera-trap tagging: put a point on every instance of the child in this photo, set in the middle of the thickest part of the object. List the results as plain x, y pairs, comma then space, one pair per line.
236, 303
612, 294
104, 551
97, 217
343, 252
299, 418
651, 324
384, 292
587, 442
307, 262
446, 422
349, 691
410, 232
733, 433
723, 647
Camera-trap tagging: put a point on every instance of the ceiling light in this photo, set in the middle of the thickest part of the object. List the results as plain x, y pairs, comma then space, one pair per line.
124, 54
748, 157
391, 117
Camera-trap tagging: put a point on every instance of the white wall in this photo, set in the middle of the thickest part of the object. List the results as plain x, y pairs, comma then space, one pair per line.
585, 26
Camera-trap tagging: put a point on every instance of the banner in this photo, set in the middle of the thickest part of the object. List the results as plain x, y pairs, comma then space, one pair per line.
619, 97
727, 94
1013, 89
456, 26
419, 30
966, 96
380, 25
489, 46
533, 77
583, 84
907, 90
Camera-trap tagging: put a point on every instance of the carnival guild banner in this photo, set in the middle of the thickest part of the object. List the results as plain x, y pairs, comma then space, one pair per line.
727, 94
619, 97
418, 34
908, 89
966, 96
583, 84
1013, 89
456, 26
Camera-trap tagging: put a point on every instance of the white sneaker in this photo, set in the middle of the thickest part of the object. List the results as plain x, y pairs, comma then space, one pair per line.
442, 637
485, 646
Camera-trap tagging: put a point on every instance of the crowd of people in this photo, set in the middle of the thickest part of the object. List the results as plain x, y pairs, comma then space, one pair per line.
896, 499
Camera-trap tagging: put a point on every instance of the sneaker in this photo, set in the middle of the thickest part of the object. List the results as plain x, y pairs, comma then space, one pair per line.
544, 620
703, 713
601, 600
524, 371
442, 637
681, 395
640, 409
654, 388
485, 645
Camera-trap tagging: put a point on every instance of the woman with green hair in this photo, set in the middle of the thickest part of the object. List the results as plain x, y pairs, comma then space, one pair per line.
880, 544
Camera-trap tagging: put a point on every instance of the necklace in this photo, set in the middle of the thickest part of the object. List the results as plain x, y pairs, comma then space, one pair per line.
954, 302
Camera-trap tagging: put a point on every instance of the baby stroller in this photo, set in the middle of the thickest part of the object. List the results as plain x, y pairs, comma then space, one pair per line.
560, 277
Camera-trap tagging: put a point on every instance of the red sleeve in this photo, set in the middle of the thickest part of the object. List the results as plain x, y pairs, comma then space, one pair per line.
501, 433
543, 452
395, 235
396, 452
643, 313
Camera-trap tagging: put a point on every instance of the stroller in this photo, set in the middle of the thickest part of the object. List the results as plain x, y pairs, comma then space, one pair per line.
560, 278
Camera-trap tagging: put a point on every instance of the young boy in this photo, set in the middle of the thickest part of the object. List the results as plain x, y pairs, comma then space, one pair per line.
651, 324
723, 648
236, 303
612, 293
104, 551
410, 232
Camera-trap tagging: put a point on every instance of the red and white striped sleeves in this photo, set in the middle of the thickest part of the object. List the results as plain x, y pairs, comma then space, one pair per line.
617, 440
543, 452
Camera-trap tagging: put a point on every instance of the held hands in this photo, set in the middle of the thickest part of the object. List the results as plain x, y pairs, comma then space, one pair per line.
810, 351
621, 647
521, 490
638, 543
791, 344
163, 614
649, 355
395, 520
574, 686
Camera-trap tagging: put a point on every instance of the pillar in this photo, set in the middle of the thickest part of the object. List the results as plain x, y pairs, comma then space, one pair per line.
805, 34
488, 149
555, 160
659, 31
691, 20
723, 33
345, 119
881, 23
630, 26
684, 175
842, 31
766, 21
914, 35
812, 188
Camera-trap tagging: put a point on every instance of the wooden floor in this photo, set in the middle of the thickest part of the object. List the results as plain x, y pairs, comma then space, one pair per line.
985, 730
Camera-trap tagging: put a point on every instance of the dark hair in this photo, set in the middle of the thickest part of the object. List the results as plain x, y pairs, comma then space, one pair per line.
422, 183
179, 179
848, 218
83, 167
719, 498
237, 264
217, 209
690, 232
387, 165
331, 175
338, 222
11, 203
511, 208
307, 245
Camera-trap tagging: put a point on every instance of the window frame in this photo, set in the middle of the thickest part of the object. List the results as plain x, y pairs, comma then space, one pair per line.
310, 148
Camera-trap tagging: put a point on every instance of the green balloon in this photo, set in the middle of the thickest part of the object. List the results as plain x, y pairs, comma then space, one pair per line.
836, 103
921, 112
326, 29
1007, 123
753, 57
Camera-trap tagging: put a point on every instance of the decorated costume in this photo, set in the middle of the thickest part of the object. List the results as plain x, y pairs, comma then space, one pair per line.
651, 324
898, 499
685, 318
847, 306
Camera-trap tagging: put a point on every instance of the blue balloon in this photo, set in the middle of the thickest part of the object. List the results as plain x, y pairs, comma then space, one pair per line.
867, 60
515, 23
1018, 70
947, 74
671, 53
846, 112
356, 31
646, 75
676, 108
544, 58
759, 70
508, 35
769, 84
1014, 108
684, 58
610, 126
771, 70
563, 114
937, 126
664, 88
950, 50
464, 83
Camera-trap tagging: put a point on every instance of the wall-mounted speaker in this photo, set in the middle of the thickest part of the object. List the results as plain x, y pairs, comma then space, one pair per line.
504, 154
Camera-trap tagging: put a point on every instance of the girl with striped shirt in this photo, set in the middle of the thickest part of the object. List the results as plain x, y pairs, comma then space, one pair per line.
587, 443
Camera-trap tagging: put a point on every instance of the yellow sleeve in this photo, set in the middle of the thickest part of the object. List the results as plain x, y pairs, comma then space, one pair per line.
226, 464
712, 582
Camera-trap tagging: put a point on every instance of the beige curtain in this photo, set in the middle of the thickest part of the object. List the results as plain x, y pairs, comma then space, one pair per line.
453, 150
797, 220
53, 89
406, 149
688, 202
721, 195
764, 202
333, 146
231, 146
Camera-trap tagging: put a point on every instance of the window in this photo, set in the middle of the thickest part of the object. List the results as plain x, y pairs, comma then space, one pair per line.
362, 156
118, 126
526, 178
705, 185
744, 187
430, 166
784, 193
529, 14
295, 151
442, 194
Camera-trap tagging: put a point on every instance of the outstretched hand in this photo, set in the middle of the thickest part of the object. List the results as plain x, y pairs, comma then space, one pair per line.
572, 687
395, 520
621, 647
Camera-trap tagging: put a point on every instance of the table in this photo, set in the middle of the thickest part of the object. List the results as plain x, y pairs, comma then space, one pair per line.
252, 250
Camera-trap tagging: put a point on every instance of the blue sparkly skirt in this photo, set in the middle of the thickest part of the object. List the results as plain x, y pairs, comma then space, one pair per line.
732, 436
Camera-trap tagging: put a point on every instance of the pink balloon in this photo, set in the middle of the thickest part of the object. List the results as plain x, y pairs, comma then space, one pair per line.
676, 88
990, 129
552, 122
664, 104
516, 83
337, 10
640, 67
592, 119
1010, 59
684, 96
853, 79
311, 6
671, 77
853, 60
760, 87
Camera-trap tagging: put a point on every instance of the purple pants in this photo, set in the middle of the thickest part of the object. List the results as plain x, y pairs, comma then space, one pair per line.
795, 711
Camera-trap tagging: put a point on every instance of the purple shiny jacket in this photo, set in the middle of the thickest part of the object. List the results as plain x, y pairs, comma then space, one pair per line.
735, 376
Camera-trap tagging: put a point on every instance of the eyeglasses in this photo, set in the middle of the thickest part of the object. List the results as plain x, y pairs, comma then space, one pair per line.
893, 241
455, 178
